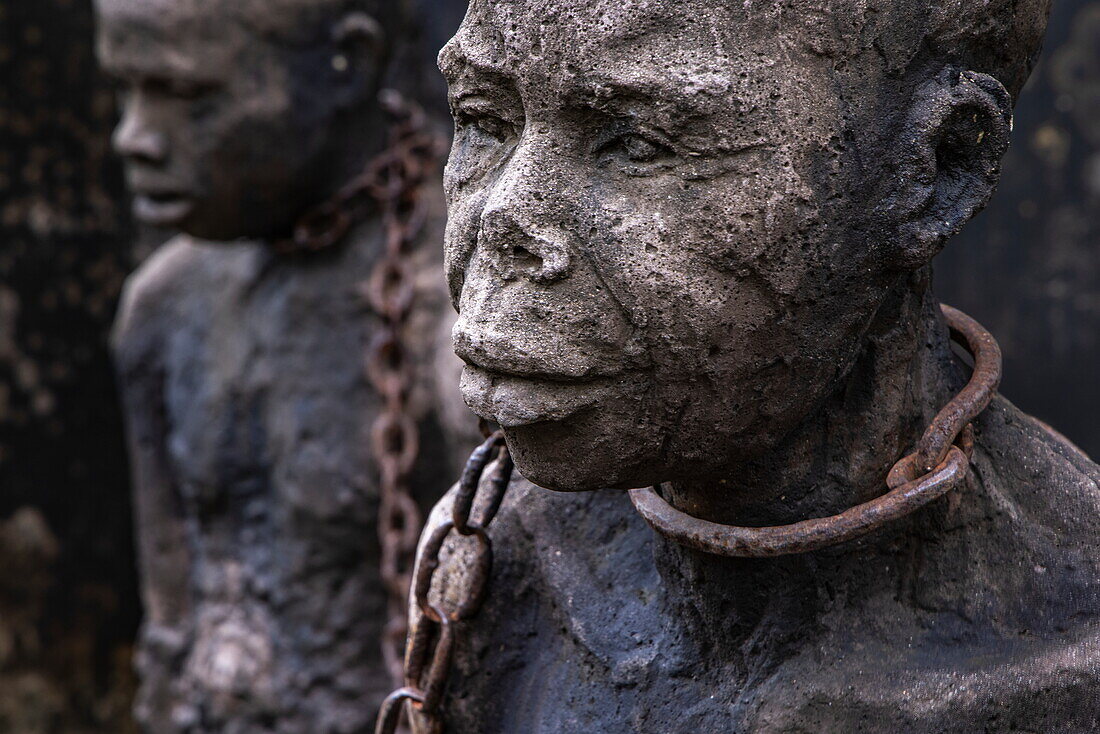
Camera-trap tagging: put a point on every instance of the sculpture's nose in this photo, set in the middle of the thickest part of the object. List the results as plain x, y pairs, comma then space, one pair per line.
136, 137
518, 249
519, 225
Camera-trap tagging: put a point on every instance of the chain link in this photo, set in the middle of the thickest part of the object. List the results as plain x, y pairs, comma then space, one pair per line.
940, 463
390, 186
431, 642
393, 182
394, 178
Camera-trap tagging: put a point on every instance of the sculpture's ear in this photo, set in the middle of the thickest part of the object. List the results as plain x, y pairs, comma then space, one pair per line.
360, 50
949, 160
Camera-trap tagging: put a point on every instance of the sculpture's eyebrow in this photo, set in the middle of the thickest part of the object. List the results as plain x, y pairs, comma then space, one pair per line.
698, 118
659, 99
460, 68
122, 58
653, 85
130, 68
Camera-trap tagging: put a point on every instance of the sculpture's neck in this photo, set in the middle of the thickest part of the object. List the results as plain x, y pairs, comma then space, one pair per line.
836, 459
332, 219
358, 140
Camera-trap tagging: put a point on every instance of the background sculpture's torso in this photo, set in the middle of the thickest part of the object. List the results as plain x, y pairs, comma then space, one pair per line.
979, 615
256, 365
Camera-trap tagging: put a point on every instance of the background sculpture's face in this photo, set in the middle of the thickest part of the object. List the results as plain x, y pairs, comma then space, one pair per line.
219, 137
652, 278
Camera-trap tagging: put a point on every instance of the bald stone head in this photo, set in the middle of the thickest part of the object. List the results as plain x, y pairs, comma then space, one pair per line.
239, 115
672, 222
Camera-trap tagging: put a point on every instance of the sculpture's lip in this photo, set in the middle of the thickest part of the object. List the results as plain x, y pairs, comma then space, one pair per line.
535, 373
516, 400
161, 208
505, 365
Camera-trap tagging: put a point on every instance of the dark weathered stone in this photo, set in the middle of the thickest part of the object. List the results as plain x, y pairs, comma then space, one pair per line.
689, 244
242, 368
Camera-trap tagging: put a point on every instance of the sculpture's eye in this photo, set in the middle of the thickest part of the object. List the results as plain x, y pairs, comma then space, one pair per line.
178, 88
486, 124
124, 91
639, 149
635, 148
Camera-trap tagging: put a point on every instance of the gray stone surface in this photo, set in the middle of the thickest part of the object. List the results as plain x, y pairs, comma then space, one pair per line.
690, 246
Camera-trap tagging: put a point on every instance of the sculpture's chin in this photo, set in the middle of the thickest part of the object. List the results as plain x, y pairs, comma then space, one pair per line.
582, 454
550, 474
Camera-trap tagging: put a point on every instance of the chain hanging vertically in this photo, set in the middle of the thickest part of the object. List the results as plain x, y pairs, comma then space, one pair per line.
395, 181
392, 186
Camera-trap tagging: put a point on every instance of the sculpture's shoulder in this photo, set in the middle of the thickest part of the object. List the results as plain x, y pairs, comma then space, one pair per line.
1004, 423
1042, 476
181, 276
998, 628
147, 295
1016, 686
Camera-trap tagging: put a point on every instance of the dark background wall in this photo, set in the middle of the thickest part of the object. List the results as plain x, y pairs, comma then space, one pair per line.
65, 626
1028, 268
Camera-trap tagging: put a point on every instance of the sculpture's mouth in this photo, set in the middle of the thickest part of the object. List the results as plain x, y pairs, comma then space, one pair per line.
515, 400
545, 359
161, 208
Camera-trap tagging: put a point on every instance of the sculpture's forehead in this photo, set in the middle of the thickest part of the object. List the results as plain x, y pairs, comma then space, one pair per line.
177, 37
208, 18
703, 56
619, 36
601, 22
185, 13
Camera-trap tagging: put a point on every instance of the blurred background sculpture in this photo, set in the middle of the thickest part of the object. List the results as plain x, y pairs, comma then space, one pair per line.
690, 248
244, 365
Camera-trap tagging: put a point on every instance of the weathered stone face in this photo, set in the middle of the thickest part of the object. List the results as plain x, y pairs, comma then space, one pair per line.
661, 241
227, 131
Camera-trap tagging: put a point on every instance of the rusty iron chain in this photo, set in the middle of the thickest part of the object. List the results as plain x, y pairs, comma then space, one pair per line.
394, 183
391, 187
394, 176
431, 642
939, 464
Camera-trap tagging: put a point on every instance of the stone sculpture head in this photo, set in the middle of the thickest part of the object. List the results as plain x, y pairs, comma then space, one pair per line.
239, 115
671, 223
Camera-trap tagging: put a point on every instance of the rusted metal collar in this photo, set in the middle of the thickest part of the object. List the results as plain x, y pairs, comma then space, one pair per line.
939, 464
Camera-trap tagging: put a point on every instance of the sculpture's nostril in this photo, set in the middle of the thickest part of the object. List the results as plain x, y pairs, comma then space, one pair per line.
515, 251
526, 261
